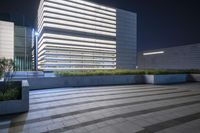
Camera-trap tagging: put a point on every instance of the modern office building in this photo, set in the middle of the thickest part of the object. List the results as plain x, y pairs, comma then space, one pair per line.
6, 40
180, 57
78, 34
15, 44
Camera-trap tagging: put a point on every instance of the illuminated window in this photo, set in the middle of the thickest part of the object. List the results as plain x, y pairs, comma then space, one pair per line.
153, 53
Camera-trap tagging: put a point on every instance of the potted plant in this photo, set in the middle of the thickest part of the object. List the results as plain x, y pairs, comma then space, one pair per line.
14, 95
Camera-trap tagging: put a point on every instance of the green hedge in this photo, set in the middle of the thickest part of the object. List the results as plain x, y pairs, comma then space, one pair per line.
1, 74
13, 91
11, 94
124, 72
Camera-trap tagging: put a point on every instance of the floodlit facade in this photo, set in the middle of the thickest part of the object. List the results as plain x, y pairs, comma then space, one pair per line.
78, 34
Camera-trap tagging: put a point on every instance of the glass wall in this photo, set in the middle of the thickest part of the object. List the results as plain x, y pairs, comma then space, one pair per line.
23, 48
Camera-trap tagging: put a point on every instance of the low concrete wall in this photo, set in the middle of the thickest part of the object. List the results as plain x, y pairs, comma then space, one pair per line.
194, 78
16, 106
27, 74
82, 81
86, 81
165, 79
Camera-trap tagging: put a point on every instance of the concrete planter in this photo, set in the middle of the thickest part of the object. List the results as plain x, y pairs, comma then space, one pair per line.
165, 79
87, 81
84, 81
16, 106
80, 81
194, 77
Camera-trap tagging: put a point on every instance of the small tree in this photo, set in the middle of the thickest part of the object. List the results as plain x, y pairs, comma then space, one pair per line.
6, 67
1, 74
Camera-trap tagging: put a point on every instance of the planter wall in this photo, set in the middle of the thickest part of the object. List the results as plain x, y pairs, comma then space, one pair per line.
83, 81
165, 79
16, 106
194, 77
87, 81
104, 80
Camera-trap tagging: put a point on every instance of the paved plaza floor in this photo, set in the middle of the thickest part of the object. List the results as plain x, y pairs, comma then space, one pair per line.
111, 109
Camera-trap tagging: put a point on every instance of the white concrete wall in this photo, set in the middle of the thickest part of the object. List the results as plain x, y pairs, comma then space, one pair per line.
6, 40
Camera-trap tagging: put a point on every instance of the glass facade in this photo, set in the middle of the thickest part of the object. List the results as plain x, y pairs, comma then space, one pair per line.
76, 34
23, 48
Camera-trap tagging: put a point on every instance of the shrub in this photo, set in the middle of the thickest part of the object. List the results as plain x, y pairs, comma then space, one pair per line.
13, 92
1, 74
7, 88
124, 72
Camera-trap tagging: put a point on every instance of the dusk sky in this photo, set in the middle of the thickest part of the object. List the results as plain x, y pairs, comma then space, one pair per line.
161, 23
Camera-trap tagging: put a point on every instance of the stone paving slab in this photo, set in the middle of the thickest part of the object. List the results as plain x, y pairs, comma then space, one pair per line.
111, 109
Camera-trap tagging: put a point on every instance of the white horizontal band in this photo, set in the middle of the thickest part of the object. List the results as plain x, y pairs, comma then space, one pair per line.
77, 43
66, 5
67, 37
94, 5
66, 46
73, 28
63, 22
